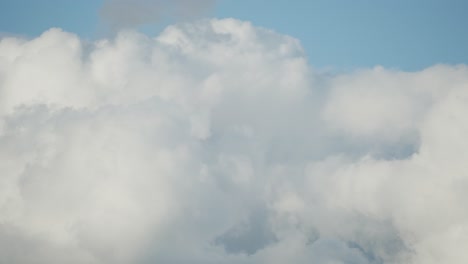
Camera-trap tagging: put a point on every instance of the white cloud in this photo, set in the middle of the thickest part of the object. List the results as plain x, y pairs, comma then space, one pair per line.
215, 142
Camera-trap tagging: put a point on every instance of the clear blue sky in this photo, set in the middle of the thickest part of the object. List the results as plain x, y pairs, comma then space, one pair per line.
342, 34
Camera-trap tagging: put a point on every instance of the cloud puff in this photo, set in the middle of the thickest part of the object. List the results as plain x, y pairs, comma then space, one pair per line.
216, 142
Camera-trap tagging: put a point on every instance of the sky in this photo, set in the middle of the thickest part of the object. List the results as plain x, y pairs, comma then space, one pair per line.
337, 34
217, 132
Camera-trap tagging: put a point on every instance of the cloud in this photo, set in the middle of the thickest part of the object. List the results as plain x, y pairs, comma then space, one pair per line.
217, 142
120, 14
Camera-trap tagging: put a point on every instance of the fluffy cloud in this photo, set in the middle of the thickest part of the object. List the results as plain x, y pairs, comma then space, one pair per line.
216, 142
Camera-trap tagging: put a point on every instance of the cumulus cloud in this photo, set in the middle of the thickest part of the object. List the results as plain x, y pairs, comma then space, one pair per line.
217, 142
131, 13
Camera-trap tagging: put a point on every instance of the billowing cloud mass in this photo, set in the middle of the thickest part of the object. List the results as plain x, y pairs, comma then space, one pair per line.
217, 142
131, 13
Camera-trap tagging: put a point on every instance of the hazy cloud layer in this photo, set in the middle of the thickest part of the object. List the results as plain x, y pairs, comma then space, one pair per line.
131, 13
216, 142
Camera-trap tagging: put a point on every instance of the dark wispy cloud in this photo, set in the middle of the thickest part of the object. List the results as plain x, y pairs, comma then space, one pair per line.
120, 14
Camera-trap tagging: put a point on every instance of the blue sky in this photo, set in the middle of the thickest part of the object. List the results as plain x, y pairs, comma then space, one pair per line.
338, 34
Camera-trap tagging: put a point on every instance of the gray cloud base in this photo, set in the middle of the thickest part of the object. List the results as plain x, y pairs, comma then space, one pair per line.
216, 142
